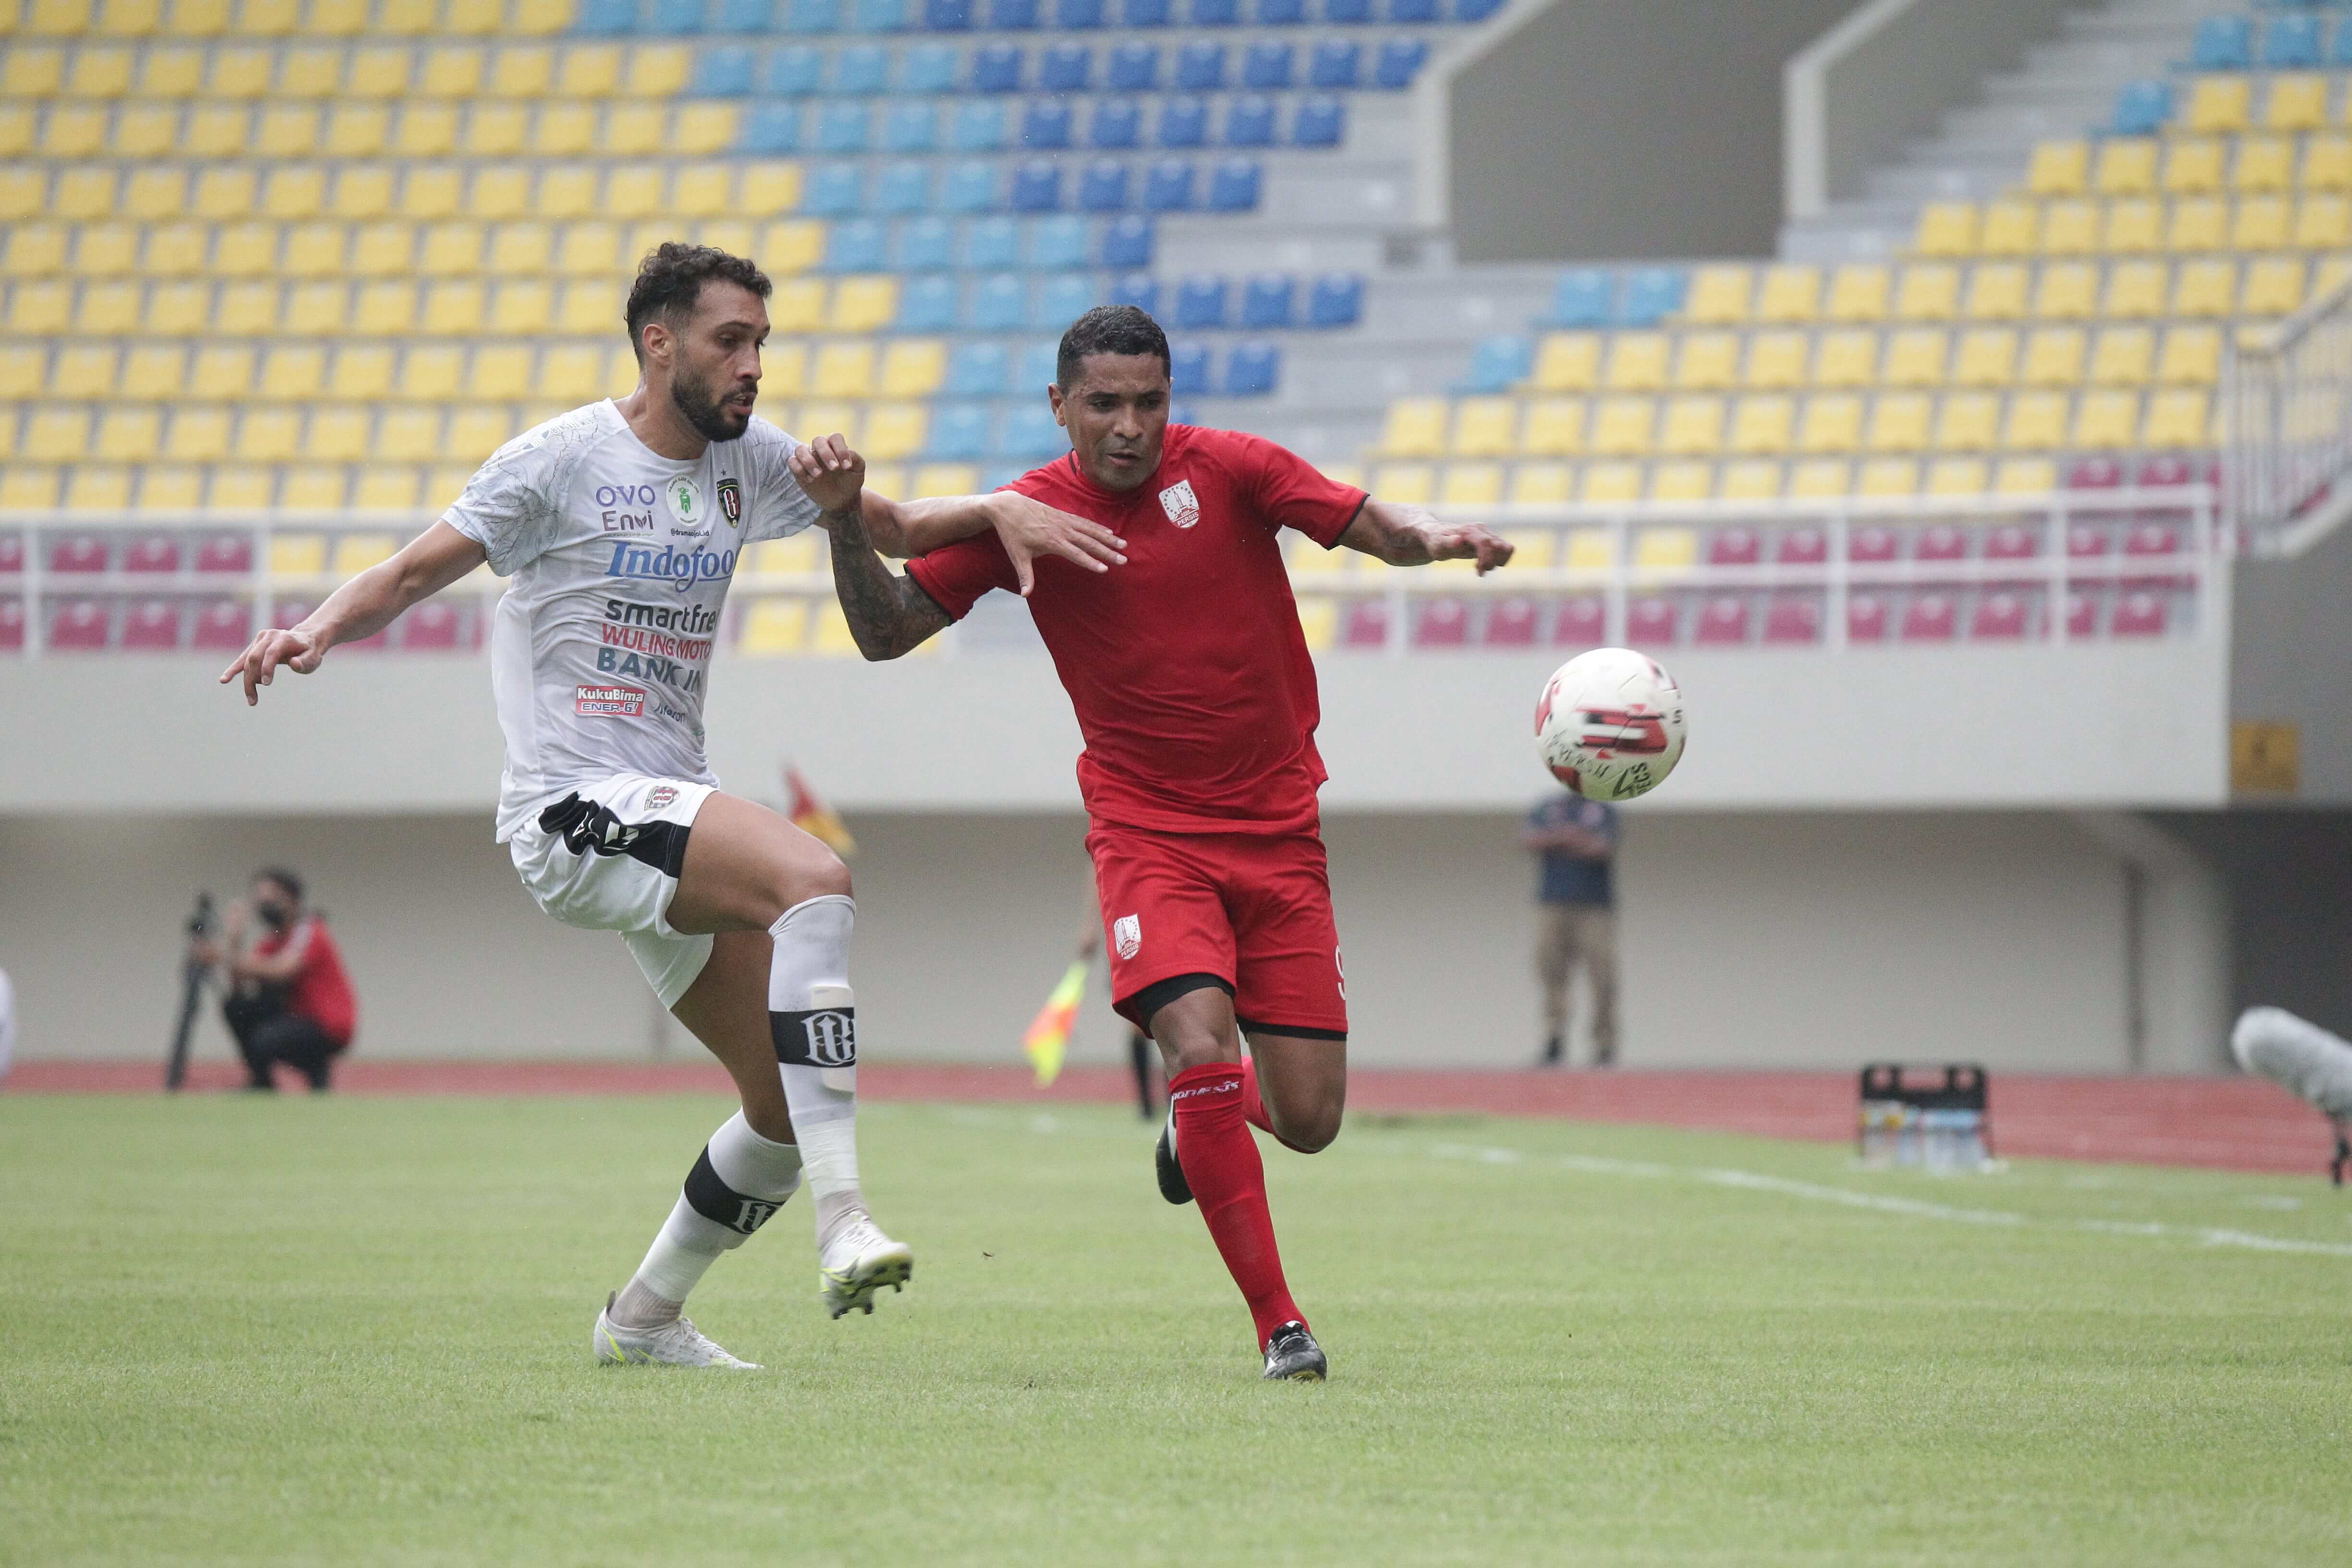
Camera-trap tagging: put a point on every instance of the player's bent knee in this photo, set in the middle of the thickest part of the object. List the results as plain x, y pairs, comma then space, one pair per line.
1313, 1133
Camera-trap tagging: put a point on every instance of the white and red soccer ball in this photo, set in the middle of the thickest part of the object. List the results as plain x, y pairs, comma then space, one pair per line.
1610, 724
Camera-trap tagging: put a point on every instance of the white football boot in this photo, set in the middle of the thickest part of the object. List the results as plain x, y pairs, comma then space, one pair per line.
675, 1343
859, 1262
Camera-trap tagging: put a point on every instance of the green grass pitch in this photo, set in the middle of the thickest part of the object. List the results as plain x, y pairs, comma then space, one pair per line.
356, 1331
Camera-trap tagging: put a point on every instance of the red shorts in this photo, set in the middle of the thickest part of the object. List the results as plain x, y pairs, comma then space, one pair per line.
1253, 909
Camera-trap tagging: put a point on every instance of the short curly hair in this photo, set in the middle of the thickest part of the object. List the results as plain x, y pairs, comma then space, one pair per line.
670, 279
1107, 329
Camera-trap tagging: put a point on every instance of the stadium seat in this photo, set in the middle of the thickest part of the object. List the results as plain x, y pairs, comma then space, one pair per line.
1249, 122
1183, 123
1652, 294
1651, 621
1442, 623
1723, 621
1168, 186
1399, 61
1133, 68
1267, 301
151, 626
1116, 125
1584, 296
1793, 619
1581, 622
1337, 300
2138, 615
80, 626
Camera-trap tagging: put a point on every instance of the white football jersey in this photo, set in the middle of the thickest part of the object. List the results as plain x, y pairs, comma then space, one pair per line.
601, 653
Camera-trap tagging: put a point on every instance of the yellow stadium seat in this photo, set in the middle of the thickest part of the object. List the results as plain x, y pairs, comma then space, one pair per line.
453, 71
1415, 427
409, 434
73, 132
1752, 479
1669, 549
699, 130
2198, 223
36, 250
2126, 166
1707, 362
1997, 292
1821, 478
1637, 362
2264, 163
129, 434
2036, 423
1969, 422
1470, 485
1833, 422
177, 249
565, 130
786, 369
1848, 357
706, 190
338, 433
1623, 427
315, 250
1956, 477
241, 488
1777, 360
2025, 475
2058, 168
266, 435
2192, 166
452, 250
109, 306
30, 489
1916, 357
1889, 478
1485, 427
521, 249
24, 372
865, 304
177, 309
2200, 288
130, 18
496, 129
518, 70
2273, 287
38, 308
1930, 293
1605, 484
571, 372
431, 373
287, 130
790, 247
35, 71
1553, 427
16, 129
2136, 288
1531, 548
1947, 228
355, 552
294, 372
2323, 223
246, 250
1763, 425
796, 556
2297, 101
913, 369
198, 434
171, 487
500, 371
1568, 361
1405, 484
1719, 295
1790, 294
1988, 357
247, 310
346, 18
85, 194
426, 131
240, 73
797, 305
155, 194
171, 71
377, 74
2261, 224
386, 487
1859, 292
308, 488
2193, 356
2123, 356
945, 480
361, 193
452, 308
1899, 422
2218, 102
57, 435
1680, 481
845, 370
223, 193
1308, 558
2070, 228
768, 189
589, 250
2328, 163
99, 72
777, 625
659, 71
590, 70
1542, 484
2012, 227
146, 130
221, 371
2179, 417
476, 431
1694, 424
266, 18
384, 250
2107, 419
2133, 222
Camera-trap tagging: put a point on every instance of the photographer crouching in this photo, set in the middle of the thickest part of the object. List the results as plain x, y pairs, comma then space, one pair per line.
289, 999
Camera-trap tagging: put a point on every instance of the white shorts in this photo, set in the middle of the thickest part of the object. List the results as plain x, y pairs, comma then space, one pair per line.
606, 858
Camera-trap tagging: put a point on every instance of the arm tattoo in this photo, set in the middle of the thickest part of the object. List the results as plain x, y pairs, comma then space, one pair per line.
888, 614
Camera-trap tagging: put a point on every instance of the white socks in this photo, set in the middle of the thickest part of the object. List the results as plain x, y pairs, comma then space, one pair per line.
740, 1178
812, 1016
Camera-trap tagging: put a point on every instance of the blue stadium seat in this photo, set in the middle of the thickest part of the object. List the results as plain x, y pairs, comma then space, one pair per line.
1180, 413
903, 188
1184, 123
1144, 13
863, 69
1200, 303
841, 127
1065, 68
1251, 368
673, 17
792, 72
1188, 369
1030, 432
1200, 68
1045, 123
1267, 300
1499, 364
2291, 42
998, 304
604, 17
960, 432
1281, 12
859, 245
1400, 61
1336, 301
1335, 64
1653, 294
927, 245
1037, 366
1128, 243
723, 72
1118, 122
996, 68
1134, 67
976, 370
1036, 187
948, 16
910, 128
1168, 186
1249, 122
2339, 51
2143, 107
927, 69
1476, 10
2223, 44
1236, 185
1079, 13
812, 16
1102, 188
879, 15
978, 127
771, 128
1266, 67
1347, 10
745, 16
1215, 12
1057, 243
1410, 11
969, 187
1321, 122
833, 190
992, 245
1139, 290
1013, 16
1584, 296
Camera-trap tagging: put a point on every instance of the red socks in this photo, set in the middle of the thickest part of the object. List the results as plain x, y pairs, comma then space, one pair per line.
1228, 1181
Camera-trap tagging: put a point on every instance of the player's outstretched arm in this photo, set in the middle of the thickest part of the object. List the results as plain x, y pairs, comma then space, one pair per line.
1028, 528
1411, 536
888, 614
359, 608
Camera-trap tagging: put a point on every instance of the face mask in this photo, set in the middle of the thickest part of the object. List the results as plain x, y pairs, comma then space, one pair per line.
275, 916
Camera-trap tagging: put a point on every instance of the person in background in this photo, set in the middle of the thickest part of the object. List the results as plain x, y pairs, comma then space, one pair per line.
289, 999
7, 1023
1574, 840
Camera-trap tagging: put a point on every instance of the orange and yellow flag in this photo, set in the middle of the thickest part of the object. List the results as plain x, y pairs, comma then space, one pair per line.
815, 819
1049, 1033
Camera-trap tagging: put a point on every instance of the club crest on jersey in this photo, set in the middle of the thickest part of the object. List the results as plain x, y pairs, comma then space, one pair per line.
1183, 507
1127, 933
730, 501
684, 501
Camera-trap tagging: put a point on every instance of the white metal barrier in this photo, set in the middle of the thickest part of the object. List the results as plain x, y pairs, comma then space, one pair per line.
2288, 395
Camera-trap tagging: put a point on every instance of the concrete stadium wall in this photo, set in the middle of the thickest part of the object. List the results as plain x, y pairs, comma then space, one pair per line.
1751, 939
2292, 644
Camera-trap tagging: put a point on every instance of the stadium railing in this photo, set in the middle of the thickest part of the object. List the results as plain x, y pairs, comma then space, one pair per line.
2289, 398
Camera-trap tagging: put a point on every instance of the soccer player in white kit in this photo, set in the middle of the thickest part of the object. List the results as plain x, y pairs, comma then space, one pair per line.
621, 523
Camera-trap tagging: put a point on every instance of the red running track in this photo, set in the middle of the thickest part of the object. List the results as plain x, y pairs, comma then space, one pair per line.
2238, 1124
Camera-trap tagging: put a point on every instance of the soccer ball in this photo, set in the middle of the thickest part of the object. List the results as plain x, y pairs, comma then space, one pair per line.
1610, 724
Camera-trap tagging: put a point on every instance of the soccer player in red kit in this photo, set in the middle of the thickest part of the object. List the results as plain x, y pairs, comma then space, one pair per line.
1197, 699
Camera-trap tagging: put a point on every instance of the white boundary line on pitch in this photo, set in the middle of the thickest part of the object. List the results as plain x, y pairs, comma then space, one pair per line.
1915, 1208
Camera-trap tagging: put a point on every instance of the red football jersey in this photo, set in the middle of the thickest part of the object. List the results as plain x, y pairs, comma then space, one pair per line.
1187, 667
